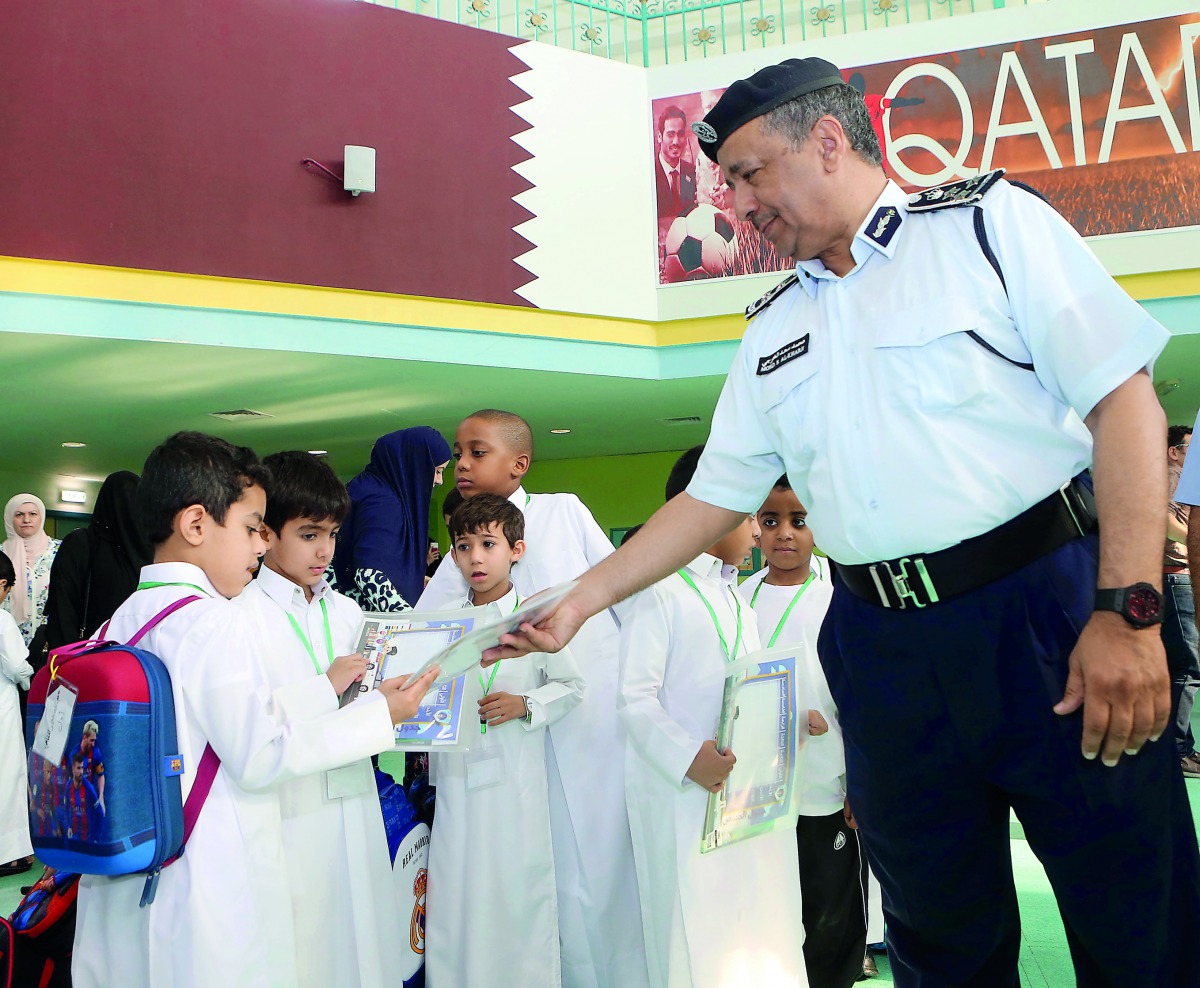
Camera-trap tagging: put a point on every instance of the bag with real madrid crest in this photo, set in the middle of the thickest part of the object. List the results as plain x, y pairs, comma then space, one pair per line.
104, 761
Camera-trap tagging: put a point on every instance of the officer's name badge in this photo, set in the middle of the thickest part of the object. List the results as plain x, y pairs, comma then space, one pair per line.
785, 354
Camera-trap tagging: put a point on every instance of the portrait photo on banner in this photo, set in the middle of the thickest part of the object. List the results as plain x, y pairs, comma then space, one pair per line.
1104, 123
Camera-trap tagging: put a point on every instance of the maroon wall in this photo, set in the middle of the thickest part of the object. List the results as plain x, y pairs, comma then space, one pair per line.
168, 134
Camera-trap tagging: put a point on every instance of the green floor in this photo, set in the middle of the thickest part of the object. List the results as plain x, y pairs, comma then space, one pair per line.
1045, 962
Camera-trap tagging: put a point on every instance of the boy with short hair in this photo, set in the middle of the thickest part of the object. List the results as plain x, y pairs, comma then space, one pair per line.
731, 916
334, 840
219, 917
593, 858
492, 912
790, 597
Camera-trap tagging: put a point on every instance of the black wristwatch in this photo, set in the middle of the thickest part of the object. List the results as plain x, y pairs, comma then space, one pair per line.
1139, 604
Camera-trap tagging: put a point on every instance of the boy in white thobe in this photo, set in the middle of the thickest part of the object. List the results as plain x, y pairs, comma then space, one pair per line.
221, 916
730, 917
343, 901
790, 598
593, 858
492, 915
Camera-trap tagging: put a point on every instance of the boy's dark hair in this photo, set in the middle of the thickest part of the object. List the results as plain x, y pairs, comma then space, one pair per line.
476, 514
303, 486
517, 434
782, 484
1176, 434
77, 758
683, 471
7, 570
194, 468
630, 534
451, 502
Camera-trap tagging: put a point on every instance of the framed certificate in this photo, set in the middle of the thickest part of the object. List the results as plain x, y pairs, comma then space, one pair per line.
397, 645
759, 723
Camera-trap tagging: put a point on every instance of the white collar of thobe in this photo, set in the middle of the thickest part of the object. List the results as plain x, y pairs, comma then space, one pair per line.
506, 604
711, 568
862, 245
179, 573
519, 499
283, 591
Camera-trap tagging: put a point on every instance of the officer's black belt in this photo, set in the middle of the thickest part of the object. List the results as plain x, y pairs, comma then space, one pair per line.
920, 580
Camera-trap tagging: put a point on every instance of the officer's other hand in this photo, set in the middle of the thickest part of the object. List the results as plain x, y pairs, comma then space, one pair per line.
1118, 674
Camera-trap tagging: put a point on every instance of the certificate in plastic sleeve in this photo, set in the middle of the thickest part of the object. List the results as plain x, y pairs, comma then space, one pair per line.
397, 645
759, 723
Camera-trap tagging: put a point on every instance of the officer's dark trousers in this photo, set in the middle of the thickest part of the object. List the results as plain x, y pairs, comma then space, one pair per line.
948, 722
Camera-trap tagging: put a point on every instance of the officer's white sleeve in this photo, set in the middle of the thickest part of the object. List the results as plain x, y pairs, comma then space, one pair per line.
1086, 335
1188, 491
740, 463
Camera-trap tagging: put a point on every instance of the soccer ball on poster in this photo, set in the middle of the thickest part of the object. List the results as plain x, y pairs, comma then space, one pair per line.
699, 244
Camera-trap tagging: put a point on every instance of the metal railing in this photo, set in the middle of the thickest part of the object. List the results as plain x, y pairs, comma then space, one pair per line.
661, 32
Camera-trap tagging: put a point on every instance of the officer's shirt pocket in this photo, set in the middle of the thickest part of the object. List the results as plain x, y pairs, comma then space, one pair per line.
788, 401
926, 358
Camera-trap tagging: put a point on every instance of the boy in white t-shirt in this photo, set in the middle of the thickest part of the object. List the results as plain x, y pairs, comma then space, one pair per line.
334, 841
790, 598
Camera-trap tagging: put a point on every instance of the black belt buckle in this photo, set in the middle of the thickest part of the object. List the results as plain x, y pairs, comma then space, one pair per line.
905, 584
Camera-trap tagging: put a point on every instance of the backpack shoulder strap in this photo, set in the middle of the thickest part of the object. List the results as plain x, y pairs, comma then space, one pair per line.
164, 613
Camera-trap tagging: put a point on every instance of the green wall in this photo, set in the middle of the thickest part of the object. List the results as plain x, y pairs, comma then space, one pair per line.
621, 491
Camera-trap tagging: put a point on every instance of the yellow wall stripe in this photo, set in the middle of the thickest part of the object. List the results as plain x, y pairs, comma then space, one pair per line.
63, 278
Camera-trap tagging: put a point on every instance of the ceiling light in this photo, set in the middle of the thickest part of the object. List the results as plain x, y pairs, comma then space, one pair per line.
559, 432
72, 497
318, 452
73, 445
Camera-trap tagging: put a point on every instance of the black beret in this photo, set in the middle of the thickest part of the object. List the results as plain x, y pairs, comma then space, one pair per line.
761, 93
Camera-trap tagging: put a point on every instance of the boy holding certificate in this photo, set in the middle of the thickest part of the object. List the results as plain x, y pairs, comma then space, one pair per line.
334, 840
790, 598
492, 907
221, 914
599, 927
731, 916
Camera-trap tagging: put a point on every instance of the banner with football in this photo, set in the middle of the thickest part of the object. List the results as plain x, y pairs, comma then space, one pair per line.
1104, 123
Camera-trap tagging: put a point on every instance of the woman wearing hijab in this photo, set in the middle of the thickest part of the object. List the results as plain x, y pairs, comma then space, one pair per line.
97, 567
32, 553
383, 544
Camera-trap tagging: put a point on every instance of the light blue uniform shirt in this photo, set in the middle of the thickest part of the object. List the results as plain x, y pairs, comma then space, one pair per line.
1188, 491
899, 432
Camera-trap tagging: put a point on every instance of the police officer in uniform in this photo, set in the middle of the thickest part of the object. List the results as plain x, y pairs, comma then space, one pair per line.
936, 379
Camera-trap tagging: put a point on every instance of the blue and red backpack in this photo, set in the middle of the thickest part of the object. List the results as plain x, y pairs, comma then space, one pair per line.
113, 804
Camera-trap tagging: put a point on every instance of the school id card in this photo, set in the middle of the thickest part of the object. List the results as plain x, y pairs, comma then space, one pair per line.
759, 723
401, 643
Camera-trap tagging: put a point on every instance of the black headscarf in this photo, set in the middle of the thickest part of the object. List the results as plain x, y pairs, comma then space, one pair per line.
97, 567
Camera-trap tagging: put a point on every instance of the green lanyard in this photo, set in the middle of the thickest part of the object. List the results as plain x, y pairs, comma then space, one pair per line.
150, 585
730, 654
788, 612
487, 688
308, 644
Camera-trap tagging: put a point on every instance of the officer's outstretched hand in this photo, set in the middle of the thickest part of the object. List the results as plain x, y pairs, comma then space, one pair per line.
1118, 674
548, 635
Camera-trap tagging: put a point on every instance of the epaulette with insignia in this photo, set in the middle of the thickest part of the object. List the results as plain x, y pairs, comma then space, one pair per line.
771, 296
965, 192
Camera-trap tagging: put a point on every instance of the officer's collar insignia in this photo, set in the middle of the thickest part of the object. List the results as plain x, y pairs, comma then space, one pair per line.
705, 132
784, 355
965, 192
883, 225
771, 296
